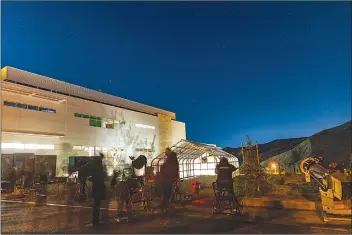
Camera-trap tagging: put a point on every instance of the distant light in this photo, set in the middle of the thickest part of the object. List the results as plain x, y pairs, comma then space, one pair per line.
273, 166
144, 126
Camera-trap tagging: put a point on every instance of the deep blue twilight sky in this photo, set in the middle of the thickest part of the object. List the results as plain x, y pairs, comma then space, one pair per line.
271, 70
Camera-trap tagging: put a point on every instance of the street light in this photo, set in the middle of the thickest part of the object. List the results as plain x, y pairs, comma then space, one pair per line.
273, 166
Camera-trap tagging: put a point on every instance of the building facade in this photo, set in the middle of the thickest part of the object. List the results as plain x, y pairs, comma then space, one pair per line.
47, 118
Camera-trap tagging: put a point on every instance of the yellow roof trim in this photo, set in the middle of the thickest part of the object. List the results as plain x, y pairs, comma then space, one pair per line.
4, 73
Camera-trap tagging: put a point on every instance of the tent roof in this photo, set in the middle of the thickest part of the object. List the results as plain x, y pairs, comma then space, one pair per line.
189, 150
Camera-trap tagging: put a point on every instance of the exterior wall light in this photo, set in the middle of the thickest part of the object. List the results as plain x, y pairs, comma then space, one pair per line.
144, 126
27, 146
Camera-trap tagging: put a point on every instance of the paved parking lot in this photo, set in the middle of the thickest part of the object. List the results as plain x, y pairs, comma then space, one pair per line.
19, 217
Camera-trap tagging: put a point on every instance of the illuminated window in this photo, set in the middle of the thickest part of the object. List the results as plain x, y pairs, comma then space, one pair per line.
109, 125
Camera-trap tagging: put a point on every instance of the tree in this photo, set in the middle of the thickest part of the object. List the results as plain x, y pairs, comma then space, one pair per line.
249, 142
254, 175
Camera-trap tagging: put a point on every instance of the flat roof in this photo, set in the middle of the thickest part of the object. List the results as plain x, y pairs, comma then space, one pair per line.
52, 85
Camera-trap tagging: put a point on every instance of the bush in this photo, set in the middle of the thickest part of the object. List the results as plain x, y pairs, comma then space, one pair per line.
310, 190
238, 185
246, 187
275, 179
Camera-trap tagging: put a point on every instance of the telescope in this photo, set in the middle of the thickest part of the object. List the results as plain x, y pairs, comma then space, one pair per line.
335, 188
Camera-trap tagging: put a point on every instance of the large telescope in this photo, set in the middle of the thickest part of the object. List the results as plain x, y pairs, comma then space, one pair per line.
335, 187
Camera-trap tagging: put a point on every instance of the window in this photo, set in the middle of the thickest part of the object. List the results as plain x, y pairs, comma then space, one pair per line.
77, 148
109, 125
92, 122
143, 150
21, 106
8, 103
8, 80
41, 109
47, 110
31, 107
98, 123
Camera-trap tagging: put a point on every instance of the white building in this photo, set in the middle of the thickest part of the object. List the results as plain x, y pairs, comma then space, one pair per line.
47, 118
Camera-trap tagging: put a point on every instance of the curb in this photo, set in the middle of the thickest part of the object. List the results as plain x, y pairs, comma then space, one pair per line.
279, 204
266, 202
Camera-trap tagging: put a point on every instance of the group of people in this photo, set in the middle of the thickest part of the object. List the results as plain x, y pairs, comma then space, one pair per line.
169, 173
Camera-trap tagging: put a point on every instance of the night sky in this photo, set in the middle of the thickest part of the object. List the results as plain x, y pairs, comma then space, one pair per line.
270, 70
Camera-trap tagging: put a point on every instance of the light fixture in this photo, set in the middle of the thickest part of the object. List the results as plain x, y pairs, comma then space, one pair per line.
27, 146
38, 134
144, 126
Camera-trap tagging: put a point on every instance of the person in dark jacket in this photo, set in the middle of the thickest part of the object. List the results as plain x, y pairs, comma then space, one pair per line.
169, 172
224, 172
96, 171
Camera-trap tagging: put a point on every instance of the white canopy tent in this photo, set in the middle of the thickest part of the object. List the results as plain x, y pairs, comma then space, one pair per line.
195, 159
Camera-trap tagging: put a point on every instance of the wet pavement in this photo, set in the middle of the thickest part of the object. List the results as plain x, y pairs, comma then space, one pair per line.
17, 217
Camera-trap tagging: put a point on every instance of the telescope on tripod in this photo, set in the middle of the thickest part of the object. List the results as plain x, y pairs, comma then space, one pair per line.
335, 188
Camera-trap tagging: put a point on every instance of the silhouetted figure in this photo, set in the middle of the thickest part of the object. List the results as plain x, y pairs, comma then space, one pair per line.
96, 171
224, 180
169, 173
224, 172
98, 187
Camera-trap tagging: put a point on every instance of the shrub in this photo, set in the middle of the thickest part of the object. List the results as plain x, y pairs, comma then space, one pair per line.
310, 190
238, 185
275, 179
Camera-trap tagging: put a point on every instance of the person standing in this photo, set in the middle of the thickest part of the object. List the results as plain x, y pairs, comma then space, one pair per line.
98, 175
169, 173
